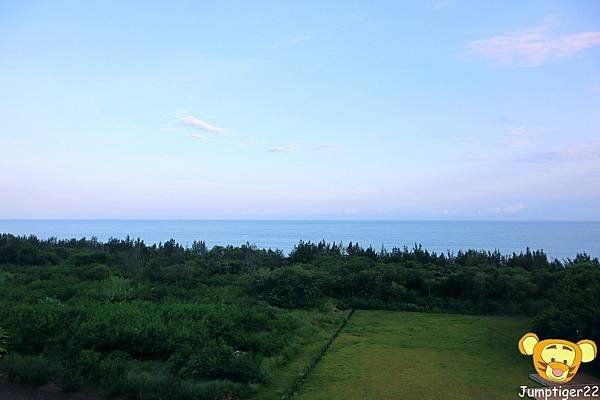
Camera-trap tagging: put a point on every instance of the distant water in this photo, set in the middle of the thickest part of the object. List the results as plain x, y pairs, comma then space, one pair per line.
557, 239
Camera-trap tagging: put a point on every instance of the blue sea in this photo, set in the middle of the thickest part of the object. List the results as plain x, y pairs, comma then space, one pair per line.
558, 239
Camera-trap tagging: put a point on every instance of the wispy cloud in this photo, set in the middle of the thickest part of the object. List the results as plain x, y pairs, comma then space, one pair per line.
440, 4
247, 141
532, 47
509, 209
300, 39
574, 153
198, 136
518, 136
202, 125
521, 131
513, 142
292, 41
467, 140
282, 149
325, 147
199, 129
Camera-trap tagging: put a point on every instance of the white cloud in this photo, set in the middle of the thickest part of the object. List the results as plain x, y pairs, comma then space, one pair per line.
440, 4
300, 39
197, 123
532, 47
513, 142
198, 129
588, 152
247, 141
519, 136
509, 209
326, 147
467, 141
521, 131
282, 149
292, 41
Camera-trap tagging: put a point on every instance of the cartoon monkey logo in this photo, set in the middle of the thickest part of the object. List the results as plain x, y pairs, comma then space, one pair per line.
557, 360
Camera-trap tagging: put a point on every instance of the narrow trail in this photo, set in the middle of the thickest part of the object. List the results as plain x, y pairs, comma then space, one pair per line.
13, 391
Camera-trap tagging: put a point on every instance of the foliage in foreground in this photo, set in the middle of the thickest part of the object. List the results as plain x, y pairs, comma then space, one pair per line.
164, 321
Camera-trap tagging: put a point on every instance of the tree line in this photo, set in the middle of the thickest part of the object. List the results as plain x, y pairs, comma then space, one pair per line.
164, 320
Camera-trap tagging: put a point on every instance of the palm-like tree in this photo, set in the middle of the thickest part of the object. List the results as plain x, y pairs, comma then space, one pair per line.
3, 342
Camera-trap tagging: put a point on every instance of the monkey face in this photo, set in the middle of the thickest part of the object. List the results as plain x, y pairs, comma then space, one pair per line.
557, 360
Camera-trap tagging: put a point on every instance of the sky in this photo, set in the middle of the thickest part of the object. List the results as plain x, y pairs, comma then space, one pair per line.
423, 110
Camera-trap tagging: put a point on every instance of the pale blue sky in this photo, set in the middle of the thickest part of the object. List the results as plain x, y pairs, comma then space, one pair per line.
400, 110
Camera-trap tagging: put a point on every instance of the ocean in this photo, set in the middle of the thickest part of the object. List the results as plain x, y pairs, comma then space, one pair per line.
558, 239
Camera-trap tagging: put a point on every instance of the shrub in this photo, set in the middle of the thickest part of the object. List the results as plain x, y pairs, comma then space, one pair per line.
34, 326
220, 361
290, 287
112, 367
29, 370
146, 385
211, 390
116, 290
3, 342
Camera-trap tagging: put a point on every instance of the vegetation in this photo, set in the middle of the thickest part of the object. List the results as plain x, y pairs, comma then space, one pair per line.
164, 321
3, 342
398, 355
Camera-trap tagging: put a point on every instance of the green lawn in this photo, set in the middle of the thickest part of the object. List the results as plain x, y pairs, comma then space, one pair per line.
402, 355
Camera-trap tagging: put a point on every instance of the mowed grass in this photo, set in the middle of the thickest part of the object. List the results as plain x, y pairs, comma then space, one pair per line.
403, 355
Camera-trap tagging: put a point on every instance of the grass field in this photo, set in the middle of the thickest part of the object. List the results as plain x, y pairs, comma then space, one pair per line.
402, 355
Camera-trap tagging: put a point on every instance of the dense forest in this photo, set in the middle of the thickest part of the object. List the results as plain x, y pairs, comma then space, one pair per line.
163, 321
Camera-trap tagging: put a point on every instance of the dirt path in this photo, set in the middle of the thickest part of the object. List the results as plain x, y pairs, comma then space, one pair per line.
12, 391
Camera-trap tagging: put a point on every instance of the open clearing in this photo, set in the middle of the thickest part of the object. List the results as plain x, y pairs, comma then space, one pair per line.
403, 355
